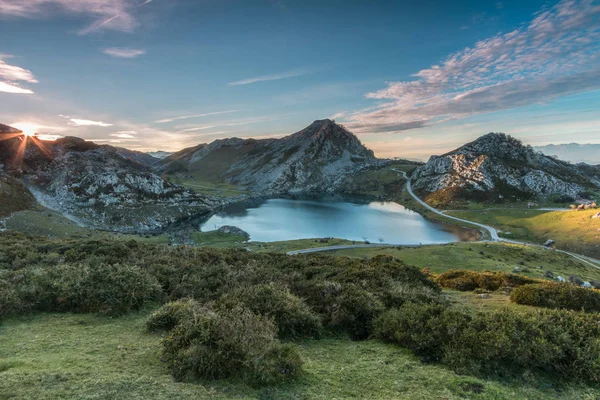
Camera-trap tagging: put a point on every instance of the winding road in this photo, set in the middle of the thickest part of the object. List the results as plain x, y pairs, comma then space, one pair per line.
491, 230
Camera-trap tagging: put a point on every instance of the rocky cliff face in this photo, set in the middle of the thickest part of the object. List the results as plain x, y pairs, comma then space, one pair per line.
100, 188
497, 163
315, 159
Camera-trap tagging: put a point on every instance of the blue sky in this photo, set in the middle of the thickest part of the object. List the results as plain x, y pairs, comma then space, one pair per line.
410, 78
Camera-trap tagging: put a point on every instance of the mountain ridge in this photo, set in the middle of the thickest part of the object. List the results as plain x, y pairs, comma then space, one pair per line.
314, 159
499, 165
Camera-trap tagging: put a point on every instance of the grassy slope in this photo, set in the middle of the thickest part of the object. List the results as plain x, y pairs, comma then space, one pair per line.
57, 356
496, 257
14, 196
573, 230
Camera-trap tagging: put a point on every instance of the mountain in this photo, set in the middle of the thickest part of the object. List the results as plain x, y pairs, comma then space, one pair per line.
573, 152
499, 166
315, 159
137, 156
159, 154
8, 129
99, 187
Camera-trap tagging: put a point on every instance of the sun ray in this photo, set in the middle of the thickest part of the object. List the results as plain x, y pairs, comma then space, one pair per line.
7, 136
42, 146
20, 153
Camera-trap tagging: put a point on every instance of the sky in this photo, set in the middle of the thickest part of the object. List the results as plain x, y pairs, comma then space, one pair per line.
409, 78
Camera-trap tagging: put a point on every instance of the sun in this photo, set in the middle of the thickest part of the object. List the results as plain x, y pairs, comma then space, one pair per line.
29, 129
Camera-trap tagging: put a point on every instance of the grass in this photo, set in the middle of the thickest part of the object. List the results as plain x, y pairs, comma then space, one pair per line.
483, 256
298, 244
574, 231
58, 356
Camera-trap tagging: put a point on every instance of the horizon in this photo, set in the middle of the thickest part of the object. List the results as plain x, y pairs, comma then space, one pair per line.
409, 80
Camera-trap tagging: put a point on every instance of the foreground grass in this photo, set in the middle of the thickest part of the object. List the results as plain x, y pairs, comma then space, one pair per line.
483, 256
58, 356
574, 231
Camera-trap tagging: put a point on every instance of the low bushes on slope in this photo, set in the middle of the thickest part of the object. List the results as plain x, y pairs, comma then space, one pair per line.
216, 343
465, 280
292, 316
559, 341
94, 287
557, 295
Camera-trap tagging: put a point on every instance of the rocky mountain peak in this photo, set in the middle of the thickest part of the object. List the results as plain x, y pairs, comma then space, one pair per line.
496, 166
498, 145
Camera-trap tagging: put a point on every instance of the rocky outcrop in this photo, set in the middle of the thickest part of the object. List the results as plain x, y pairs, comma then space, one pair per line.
315, 159
98, 187
500, 164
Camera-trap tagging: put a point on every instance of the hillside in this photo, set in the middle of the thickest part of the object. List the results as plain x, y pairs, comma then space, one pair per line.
97, 186
14, 196
315, 159
497, 166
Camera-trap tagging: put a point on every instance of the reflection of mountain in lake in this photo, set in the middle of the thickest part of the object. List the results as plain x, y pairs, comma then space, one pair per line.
284, 219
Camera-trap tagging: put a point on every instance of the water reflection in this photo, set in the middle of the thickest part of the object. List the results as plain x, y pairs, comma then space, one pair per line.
286, 219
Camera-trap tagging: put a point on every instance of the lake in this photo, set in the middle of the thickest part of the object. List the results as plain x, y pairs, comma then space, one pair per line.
286, 219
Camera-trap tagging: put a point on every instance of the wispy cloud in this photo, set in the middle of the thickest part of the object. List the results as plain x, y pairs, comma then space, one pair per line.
123, 135
123, 52
10, 75
107, 14
166, 120
84, 122
274, 77
556, 54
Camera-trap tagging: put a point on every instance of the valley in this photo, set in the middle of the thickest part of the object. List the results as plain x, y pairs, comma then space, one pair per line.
328, 223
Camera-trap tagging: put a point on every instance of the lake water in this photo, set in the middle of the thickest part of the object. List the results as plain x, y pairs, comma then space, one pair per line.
285, 219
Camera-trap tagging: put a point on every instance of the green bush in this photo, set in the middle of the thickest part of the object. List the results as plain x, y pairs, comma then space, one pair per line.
220, 343
292, 316
170, 315
107, 289
426, 329
507, 341
465, 280
353, 311
557, 295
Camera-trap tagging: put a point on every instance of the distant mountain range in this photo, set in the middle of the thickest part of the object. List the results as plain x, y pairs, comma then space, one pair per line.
313, 160
573, 152
498, 166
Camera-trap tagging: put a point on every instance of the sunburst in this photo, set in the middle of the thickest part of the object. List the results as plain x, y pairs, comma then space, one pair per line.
26, 137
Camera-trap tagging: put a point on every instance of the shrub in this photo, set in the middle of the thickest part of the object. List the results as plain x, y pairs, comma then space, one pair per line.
107, 289
424, 329
170, 315
220, 343
557, 295
291, 314
353, 311
505, 341
465, 280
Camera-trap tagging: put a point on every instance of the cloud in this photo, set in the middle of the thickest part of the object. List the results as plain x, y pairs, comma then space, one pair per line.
275, 77
11, 88
555, 55
163, 121
123, 52
123, 135
107, 14
10, 75
84, 122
